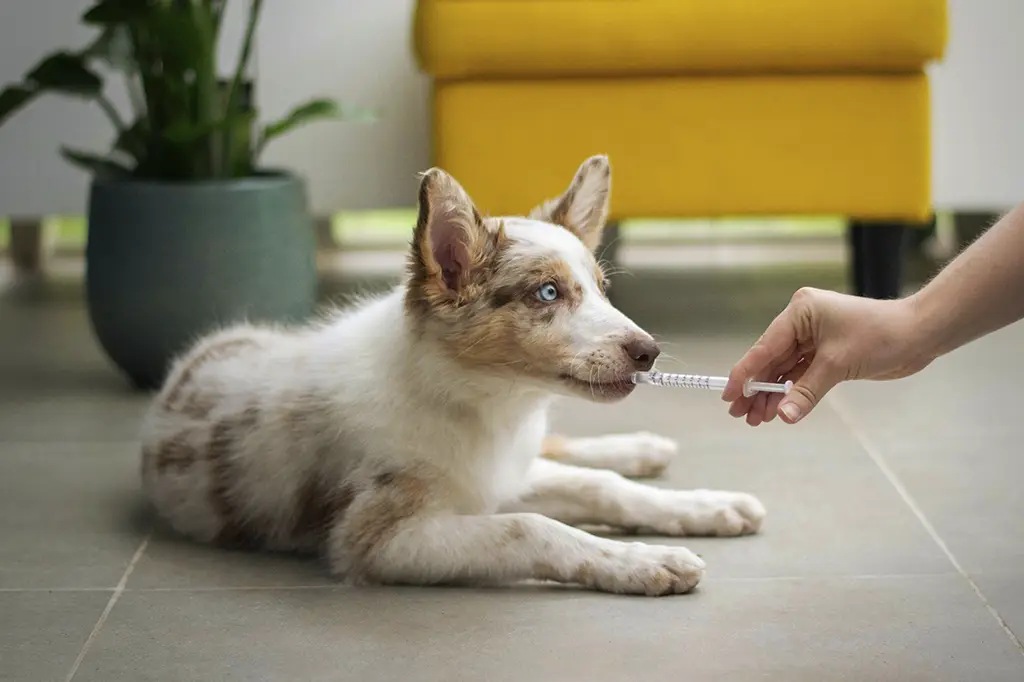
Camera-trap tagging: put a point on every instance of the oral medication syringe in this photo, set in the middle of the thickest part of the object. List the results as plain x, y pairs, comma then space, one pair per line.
656, 378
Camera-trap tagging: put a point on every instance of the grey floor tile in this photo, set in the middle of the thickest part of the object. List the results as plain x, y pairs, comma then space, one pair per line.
41, 633
972, 495
70, 514
904, 629
175, 562
952, 435
50, 348
1005, 592
77, 419
830, 509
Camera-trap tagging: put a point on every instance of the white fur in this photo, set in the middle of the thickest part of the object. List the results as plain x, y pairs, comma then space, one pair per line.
637, 455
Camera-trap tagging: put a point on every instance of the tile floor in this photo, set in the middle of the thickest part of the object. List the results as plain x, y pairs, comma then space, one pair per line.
893, 550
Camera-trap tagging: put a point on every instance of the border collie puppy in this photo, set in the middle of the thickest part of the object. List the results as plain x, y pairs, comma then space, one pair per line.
406, 438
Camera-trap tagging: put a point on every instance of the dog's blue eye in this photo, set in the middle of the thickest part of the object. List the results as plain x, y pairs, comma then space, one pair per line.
547, 292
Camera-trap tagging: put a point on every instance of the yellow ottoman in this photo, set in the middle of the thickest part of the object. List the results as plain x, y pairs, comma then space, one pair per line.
706, 107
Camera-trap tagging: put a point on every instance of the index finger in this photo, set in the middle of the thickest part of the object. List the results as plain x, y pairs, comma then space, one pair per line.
777, 343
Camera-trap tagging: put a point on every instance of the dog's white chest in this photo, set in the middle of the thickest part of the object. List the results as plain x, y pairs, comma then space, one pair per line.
515, 449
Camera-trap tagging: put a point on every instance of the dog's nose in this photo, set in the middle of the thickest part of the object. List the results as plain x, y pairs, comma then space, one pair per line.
643, 351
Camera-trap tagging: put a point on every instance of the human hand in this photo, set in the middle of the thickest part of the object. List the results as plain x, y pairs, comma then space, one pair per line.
820, 339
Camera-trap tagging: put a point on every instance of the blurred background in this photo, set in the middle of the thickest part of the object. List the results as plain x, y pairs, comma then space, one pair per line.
362, 176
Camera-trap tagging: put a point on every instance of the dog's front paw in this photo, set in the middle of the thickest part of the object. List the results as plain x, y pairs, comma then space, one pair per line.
639, 568
709, 512
635, 455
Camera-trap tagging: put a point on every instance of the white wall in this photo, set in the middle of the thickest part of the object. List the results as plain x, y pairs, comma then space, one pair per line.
33, 178
978, 97
359, 51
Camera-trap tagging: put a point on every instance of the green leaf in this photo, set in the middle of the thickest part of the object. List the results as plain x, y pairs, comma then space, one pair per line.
302, 114
132, 141
113, 46
14, 98
108, 12
95, 164
65, 72
318, 109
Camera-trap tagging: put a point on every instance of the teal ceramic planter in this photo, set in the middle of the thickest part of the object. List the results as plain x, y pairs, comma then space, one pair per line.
166, 263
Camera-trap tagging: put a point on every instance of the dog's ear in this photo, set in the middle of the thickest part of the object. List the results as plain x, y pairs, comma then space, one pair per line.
450, 240
583, 208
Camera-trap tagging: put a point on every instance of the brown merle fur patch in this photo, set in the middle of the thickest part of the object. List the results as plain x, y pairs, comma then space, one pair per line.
176, 453
221, 453
318, 506
183, 397
375, 514
505, 327
517, 338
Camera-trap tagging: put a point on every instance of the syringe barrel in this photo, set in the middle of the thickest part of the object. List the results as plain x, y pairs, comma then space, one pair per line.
656, 378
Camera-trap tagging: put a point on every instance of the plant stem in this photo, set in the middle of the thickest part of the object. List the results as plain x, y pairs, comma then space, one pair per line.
111, 111
240, 68
207, 89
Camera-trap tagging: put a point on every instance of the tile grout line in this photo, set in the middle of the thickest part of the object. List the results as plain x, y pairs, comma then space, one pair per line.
839, 407
118, 591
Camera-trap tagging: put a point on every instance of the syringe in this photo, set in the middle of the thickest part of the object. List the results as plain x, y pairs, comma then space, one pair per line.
656, 378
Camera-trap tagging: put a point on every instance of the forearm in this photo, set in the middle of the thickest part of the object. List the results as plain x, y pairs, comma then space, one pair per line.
980, 291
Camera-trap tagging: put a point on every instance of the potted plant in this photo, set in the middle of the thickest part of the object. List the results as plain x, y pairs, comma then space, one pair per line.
186, 231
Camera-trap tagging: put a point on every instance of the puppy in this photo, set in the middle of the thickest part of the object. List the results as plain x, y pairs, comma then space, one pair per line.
406, 437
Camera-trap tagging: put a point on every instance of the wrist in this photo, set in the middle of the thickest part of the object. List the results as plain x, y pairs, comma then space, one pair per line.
926, 329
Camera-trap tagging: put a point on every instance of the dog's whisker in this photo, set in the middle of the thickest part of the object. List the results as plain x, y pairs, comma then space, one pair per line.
572, 362
607, 246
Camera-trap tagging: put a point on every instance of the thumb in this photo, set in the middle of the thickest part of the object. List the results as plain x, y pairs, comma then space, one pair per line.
808, 390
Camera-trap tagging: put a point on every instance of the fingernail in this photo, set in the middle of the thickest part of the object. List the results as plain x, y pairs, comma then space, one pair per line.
791, 410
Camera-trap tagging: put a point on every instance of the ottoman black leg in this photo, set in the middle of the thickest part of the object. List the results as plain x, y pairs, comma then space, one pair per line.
970, 226
876, 258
